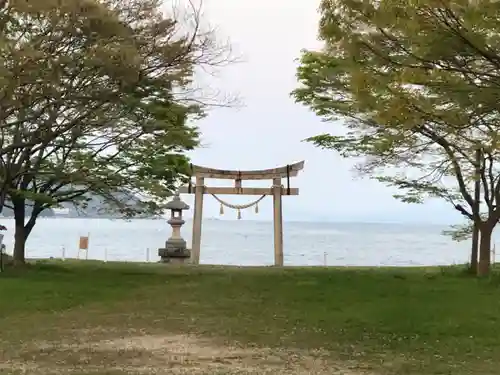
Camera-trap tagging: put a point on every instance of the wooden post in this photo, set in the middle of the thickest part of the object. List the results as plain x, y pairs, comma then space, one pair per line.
197, 220
278, 223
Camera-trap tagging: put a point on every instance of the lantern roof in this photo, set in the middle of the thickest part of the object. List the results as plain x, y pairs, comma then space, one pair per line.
177, 204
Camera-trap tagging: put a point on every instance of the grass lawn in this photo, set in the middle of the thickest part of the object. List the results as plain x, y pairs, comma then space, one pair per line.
95, 318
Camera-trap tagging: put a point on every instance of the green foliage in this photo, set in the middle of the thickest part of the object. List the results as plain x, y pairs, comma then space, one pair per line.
459, 232
462, 232
416, 84
98, 96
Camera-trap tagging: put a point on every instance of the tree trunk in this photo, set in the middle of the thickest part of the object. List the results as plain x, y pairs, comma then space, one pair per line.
2, 200
474, 249
484, 265
28, 227
476, 211
19, 234
23, 230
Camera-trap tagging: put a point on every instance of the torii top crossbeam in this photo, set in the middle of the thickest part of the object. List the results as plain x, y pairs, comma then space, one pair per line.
290, 170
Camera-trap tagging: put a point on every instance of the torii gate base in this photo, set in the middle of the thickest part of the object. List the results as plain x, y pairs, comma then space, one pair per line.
277, 191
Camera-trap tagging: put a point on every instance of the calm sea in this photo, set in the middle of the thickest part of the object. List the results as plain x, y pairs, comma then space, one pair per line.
246, 242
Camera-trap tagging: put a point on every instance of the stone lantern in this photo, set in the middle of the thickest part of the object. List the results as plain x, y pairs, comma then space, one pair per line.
175, 250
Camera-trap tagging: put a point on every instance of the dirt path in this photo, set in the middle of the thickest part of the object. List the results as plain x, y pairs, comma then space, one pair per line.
165, 355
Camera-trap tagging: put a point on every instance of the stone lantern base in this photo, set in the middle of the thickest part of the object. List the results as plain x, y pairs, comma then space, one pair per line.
174, 252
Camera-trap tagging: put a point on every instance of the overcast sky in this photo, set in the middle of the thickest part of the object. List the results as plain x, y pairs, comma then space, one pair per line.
267, 131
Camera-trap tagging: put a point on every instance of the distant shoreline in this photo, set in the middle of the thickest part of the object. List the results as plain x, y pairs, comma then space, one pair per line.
91, 217
268, 220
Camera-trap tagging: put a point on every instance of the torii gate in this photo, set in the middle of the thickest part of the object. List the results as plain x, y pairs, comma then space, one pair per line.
277, 190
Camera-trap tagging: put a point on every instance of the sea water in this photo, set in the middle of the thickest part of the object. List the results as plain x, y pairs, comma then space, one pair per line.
246, 242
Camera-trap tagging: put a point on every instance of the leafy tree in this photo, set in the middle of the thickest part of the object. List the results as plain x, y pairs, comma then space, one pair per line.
97, 96
417, 84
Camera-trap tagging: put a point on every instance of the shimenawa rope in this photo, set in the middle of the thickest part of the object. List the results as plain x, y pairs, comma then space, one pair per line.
240, 207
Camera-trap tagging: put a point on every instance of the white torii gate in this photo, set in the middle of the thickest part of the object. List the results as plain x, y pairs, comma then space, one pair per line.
277, 190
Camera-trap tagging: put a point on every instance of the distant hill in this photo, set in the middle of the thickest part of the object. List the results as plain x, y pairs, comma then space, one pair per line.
7, 212
97, 208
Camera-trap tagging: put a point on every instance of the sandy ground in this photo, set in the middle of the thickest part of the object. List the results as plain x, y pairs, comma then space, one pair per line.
174, 354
